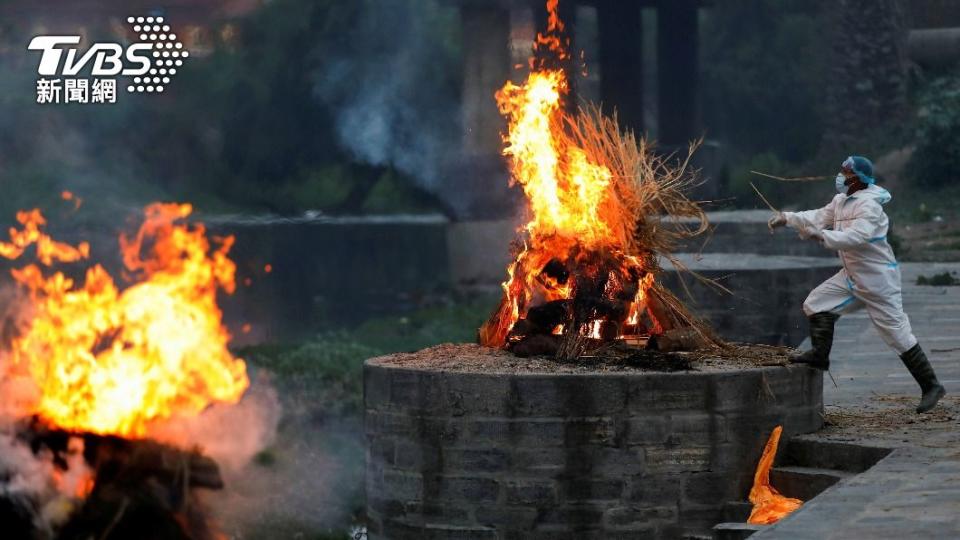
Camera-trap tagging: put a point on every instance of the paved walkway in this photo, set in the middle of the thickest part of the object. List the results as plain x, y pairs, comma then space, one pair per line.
915, 491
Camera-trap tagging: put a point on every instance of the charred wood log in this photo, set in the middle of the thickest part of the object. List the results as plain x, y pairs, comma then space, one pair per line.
609, 331
536, 345
140, 489
678, 339
548, 316
556, 270
661, 311
112, 457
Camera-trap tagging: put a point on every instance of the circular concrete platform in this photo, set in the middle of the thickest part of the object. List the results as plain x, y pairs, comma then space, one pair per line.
507, 448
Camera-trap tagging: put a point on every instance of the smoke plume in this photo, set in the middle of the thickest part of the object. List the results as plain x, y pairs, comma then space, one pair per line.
390, 89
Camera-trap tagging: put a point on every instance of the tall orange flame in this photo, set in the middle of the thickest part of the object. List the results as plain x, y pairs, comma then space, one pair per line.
567, 194
110, 361
769, 506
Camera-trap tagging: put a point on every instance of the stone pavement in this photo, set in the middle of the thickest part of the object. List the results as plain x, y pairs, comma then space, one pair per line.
915, 491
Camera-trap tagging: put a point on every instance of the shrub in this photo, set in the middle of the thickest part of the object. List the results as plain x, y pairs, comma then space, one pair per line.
936, 161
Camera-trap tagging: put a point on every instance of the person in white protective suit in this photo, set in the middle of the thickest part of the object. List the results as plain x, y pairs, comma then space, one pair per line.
855, 225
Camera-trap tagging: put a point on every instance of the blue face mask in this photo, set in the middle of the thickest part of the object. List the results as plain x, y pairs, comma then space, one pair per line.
842, 188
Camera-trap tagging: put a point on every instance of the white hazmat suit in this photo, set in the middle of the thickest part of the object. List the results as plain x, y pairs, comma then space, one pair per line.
870, 277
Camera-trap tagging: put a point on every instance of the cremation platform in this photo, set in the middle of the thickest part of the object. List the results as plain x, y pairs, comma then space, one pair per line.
471, 442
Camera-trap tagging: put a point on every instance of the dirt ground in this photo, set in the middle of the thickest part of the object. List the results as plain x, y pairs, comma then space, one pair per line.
934, 241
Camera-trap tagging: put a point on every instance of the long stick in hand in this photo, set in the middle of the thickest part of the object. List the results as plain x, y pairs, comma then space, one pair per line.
764, 199
792, 179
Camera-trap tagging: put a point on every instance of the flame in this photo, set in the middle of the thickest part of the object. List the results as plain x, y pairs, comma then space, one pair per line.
48, 250
70, 196
567, 194
110, 361
769, 506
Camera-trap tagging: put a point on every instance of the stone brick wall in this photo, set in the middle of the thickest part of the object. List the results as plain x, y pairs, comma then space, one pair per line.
766, 298
479, 250
745, 231
468, 455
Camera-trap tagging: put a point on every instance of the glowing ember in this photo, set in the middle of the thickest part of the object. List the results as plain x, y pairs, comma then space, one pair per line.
77, 480
575, 223
769, 506
109, 361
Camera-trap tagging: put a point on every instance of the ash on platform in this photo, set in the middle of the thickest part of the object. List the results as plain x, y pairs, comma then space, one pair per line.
469, 357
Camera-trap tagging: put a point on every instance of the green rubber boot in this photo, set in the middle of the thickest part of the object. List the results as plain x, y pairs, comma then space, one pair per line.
916, 361
821, 340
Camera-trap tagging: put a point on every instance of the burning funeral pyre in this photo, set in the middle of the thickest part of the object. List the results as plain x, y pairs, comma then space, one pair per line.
98, 382
585, 267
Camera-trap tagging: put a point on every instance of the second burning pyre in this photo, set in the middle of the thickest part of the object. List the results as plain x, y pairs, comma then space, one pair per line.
585, 267
102, 387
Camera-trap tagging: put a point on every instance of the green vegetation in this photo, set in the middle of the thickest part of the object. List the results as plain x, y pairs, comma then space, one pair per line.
936, 161
760, 94
320, 384
241, 129
943, 279
767, 110
330, 363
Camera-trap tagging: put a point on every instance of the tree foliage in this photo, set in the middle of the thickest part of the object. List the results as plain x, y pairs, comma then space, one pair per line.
240, 129
936, 160
764, 70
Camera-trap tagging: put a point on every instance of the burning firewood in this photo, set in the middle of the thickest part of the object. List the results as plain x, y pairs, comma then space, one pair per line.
586, 265
106, 486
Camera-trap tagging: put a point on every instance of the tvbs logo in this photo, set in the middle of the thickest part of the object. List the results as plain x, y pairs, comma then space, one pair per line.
69, 75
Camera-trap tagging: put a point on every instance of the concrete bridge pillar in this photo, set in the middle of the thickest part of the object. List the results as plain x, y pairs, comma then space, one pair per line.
678, 47
620, 31
486, 66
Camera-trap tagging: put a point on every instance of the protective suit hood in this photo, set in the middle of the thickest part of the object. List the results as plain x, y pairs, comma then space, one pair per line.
874, 192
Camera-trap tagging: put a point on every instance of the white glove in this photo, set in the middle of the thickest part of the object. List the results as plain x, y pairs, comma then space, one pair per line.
778, 220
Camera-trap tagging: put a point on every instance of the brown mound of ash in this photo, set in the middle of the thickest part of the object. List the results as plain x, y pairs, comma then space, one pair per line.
104, 487
612, 358
585, 265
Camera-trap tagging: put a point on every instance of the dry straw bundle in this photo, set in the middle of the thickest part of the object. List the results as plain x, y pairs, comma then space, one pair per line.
648, 205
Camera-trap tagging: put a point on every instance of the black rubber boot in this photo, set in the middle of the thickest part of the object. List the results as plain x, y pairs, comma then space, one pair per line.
821, 340
916, 361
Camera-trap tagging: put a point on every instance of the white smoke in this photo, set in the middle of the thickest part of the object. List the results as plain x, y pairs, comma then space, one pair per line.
231, 434
390, 102
30, 481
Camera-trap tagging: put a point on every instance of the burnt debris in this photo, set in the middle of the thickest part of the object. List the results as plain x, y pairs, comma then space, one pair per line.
138, 489
602, 289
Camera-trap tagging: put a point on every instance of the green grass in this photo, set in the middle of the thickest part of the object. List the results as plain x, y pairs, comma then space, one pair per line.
948, 246
939, 280
330, 364
320, 383
457, 321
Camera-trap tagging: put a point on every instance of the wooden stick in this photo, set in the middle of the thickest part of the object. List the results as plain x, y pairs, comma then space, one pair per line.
764, 199
792, 179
